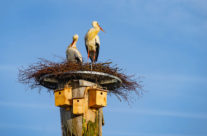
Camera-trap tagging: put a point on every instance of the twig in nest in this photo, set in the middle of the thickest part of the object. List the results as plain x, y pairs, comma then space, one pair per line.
31, 75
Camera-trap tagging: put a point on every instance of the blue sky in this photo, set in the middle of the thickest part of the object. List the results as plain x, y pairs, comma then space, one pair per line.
162, 41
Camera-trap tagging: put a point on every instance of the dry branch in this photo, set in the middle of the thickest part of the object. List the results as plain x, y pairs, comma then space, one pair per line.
31, 75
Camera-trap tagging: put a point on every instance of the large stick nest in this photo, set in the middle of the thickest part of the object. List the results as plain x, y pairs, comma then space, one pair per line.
33, 73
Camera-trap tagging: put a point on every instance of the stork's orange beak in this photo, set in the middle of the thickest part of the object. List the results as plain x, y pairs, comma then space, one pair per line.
101, 28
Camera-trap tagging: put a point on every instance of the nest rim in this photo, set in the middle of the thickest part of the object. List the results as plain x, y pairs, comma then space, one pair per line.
110, 81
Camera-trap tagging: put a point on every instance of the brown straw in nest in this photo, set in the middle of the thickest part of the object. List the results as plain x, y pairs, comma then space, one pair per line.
31, 75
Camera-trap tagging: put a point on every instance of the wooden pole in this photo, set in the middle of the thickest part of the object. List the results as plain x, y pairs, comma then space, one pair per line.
100, 118
87, 124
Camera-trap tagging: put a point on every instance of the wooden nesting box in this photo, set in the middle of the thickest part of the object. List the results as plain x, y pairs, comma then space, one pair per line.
63, 97
78, 105
97, 97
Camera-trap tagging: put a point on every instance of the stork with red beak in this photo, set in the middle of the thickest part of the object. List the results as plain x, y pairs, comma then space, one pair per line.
72, 53
92, 41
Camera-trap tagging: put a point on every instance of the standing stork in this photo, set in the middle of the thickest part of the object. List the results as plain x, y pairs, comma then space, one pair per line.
92, 41
72, 53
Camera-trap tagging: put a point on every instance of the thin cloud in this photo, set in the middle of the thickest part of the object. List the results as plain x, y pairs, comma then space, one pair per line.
8, 68
160, 113
121, 133
171, 14
41, 128
177, 78
25, 105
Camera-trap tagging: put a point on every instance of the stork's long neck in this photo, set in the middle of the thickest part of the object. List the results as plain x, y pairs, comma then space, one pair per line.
94, 31
73, 44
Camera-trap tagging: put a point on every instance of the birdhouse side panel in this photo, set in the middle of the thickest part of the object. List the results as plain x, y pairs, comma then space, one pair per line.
101, 98
63, 97
59, 98
92, 98
97, 98
78, 106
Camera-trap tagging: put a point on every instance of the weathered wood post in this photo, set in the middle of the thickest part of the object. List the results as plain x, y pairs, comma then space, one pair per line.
79, 119
81, 99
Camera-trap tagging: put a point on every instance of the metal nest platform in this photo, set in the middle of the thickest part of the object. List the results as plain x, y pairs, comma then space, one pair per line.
105, 80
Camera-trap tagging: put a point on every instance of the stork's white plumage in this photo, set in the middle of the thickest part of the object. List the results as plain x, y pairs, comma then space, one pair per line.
92, 41
72, 53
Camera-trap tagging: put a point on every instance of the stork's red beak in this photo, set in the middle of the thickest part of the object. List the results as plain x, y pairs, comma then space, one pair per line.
72, 43
101, 28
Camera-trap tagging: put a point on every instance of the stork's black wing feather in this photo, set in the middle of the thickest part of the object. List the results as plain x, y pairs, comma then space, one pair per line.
97, 50
77, 59
86, 46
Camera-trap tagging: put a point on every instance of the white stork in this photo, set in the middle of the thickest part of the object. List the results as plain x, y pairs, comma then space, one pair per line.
72, 53
92, 41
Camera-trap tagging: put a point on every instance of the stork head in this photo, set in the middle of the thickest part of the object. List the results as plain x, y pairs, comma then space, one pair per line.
75, 39
96, 25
